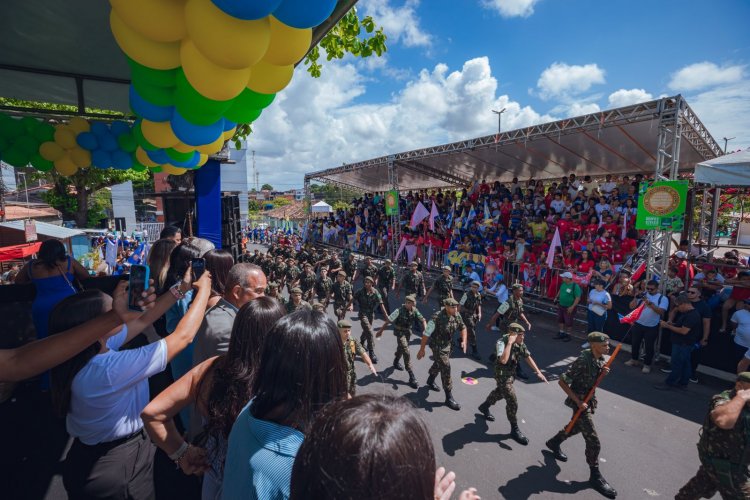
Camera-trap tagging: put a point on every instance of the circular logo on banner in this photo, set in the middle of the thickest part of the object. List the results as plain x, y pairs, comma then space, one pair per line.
390, 200
469, 380
661, 200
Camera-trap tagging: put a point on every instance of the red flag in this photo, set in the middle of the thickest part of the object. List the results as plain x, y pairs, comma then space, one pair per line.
633, 315
638, 272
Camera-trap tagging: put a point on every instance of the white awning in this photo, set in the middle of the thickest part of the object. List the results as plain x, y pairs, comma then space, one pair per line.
730, 170
322, 207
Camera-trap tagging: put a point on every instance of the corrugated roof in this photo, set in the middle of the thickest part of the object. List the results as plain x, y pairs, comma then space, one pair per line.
15, 212
44, 229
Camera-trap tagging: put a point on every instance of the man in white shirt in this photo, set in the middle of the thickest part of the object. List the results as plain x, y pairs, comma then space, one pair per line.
608, 185
646, 326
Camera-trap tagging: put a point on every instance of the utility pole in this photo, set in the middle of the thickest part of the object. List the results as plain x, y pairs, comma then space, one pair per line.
499, 119
2, 195
255, 174
726, 141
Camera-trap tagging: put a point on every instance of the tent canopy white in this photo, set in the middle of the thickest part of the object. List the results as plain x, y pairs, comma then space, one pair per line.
322, 207
728, 170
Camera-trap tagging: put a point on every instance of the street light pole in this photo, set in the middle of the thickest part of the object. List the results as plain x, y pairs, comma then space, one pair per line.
499, 119
726, 141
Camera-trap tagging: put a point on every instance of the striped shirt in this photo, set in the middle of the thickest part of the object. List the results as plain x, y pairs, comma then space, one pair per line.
259, 459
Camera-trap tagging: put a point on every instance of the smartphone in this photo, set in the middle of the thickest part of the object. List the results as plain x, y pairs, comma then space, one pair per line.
139, 276
198, 266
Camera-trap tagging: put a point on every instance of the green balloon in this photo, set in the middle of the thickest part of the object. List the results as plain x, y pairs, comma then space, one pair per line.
150, 76
250, 99
193, 106
27, 144
127, 143
238, 114
140, 140
30, 124
10, 128
4, 144
44, 132
16, 156
40, 163
159, 96
179, 157
138, 168
156, 170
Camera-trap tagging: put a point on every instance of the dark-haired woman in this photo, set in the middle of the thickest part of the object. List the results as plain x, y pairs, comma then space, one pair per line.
218, 263
220, 388
301, 369
102, 391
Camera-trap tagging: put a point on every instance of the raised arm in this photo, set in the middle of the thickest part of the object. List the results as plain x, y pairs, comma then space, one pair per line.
191, 322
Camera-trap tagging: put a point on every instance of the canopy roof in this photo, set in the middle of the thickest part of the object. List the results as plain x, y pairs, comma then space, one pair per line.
17, 252
729, 170
620, 141
322, 206
44, 229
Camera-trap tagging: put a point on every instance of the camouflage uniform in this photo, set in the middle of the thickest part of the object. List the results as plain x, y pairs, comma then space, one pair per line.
403, 320
580, 377
386, 275
514, 312
444, 287
323, 288
413, 283
724, 456
290, 307
471, 302
371, 271
292, 274
505, 375
307, 283
342, 295
442, 327
334, 265
266, 266
367, 303
352, 348
279, 272
350, 266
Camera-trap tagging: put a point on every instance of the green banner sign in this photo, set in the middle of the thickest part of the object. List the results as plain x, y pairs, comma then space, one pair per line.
661, 205
391, 202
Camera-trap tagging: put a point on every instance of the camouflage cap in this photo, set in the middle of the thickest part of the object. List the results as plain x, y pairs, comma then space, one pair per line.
369, 278
450, 302
296, 289
273, 285
411, 298
341, 273
597, 337
307, 264
447, 268
367, 257
324, 268
317, 306
413, 264
475, 283
516, 328
516, 286
743, 377
344, 323
387, 261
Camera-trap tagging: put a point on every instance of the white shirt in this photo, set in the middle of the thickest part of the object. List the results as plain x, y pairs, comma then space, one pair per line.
742, 334
607, 187
500, 291
597, 296
557, 205
648, 316
110, 392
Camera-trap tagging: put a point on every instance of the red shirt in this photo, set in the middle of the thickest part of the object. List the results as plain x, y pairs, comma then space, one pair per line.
628, 245
585, 267
566, 227
618, 257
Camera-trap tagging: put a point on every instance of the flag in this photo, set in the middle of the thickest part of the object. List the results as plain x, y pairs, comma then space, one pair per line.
633, 315
556, 242
420, 213
449, 220
638, 272
487, 214
433, 214
110, 252
625, 225
601, 221
472, 215
411, 252
400, 248
474, 188
429, 256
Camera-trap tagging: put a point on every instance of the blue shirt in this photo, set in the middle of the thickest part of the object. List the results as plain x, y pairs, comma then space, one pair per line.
259, 459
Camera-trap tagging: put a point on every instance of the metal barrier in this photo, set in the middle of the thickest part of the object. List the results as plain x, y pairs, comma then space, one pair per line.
153, 229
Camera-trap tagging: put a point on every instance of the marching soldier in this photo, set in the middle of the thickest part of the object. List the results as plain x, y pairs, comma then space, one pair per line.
439, 333
512, 350
412, 282
576, 383
266, 265
350, 266
272, 290
293, 273
386, 282
295, 301
471, 313
279, 270
368, 299
334, 265
724, 447
323, 287
403, 319
318, 306
369, 269
514, 314
444, 287
352, 348
342, 295
307, 282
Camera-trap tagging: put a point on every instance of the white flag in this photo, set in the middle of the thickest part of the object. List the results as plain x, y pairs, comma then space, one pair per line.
433, 214
420, 213
556, 242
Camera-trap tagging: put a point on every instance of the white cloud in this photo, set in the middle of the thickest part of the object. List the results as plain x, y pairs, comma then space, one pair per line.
511, 8
319, 123
401, 24
564, 80
703, 75
625, 97
725, 111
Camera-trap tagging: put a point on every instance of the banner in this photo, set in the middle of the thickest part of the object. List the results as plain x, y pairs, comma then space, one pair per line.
662, 205
391, 202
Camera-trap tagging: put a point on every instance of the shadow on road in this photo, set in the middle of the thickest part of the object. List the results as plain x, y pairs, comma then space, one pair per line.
539, 479
473, 432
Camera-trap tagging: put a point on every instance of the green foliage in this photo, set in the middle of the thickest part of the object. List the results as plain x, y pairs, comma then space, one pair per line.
68, 108
341, 205
254, 206
332, 194
280, 202
266, 187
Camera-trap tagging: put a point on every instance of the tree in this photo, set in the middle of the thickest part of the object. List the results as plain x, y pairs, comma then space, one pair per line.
332, 194
266, 187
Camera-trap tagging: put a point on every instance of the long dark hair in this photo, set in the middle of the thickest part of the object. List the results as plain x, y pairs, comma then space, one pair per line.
368, 447
158, 262
218, 263
302, 367
233, 372
51, 252
69, 313
179, 260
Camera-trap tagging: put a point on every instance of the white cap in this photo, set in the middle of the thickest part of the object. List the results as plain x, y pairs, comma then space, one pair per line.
680, 254
566, 275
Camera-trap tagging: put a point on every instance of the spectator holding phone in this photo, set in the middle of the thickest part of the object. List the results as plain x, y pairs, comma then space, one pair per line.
646, 327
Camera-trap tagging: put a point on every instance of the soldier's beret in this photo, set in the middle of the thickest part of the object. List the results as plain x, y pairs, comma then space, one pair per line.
307, 264
369, 278
411, 298
273, 285
324, 268
413, 264
446, 268
344, 323
475, 283
515, 327
367, 257
317, 306
387, 261
450, 302
516, 286
743, 377
296, 289
341, 273
599, 337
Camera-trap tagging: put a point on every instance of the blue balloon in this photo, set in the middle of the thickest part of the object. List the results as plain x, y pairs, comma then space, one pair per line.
101, 159
247, 10
304, 14
192, 162
108, 142
87, 141
99, 128
159, 156
229, 124
195, 135
119, 127
144, 109
121, 160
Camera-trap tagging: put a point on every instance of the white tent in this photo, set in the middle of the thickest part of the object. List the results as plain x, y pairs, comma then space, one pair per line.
732, 170
322, 207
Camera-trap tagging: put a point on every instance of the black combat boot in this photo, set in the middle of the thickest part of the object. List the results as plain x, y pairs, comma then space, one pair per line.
517, 435
431, 383
397, 364
475, 353
413, 380
485, 409
600, 484
450, 402
520, 373
554, 447
373, 357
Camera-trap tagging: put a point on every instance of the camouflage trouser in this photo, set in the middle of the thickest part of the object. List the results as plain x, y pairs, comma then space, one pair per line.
384, 295
402, 347
442, 364
584, 425
730, 480
351, 381
339, 308
504, 390
366, 320
471, 328
307, 295
323, 301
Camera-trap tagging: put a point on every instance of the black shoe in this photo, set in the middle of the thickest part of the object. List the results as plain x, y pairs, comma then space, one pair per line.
492, 357
413, 381
397, 365
559, 336
373, 358
475, 353
600, 484
432, 385
555, 449
521, 374
450, 402
484, 408
566, 338
518, 436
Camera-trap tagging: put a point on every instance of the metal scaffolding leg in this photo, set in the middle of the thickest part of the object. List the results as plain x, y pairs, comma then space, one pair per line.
308, 207
709, 214
394, 220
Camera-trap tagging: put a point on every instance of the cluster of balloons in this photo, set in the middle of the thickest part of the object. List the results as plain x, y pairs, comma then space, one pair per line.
20, 140
201, 67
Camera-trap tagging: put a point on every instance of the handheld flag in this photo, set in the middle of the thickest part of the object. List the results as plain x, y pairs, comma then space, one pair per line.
556, 242
472, 215
638, 272
632, 316
433, 214
625, 225
487, 214
420, 213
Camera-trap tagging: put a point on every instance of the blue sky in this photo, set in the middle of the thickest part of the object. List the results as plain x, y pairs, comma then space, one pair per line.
450, 62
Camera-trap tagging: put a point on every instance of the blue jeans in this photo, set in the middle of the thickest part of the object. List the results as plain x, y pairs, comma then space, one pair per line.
681, 368
596, 323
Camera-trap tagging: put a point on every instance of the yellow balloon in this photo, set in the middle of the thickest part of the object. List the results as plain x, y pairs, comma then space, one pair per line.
171, 169
227, 41
288, 45
51, 151
80, 157
202, 160
155, 55
228, 134
143, 159
159, 134
65, 137
79, 124
157, 20
181, 147
269, 79
211, 80
66, 166
212, 148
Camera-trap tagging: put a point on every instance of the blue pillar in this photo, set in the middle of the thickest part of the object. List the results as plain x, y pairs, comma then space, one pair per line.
208, 201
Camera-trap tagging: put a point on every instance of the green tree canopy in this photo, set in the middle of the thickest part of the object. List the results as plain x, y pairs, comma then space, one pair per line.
266, 187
